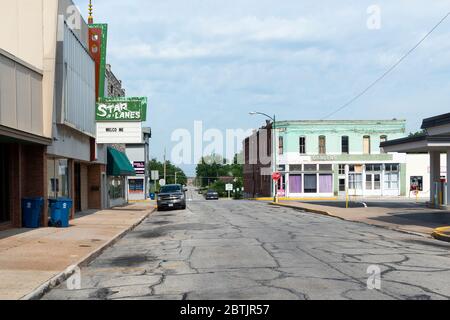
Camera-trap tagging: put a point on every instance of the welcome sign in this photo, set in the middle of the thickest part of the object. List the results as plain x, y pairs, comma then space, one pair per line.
121, 109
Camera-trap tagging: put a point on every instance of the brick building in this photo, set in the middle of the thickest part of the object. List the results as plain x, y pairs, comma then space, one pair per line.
257, 170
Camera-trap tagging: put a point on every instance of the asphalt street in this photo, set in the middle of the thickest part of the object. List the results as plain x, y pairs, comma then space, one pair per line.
250, 250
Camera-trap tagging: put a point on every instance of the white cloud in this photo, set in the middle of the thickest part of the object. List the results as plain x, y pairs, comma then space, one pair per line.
215, 60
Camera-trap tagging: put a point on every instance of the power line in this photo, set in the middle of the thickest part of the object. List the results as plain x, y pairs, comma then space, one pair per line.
389, 70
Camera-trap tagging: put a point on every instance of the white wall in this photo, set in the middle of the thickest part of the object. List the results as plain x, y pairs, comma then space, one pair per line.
21, 32
419, 165
28, 32
135, 153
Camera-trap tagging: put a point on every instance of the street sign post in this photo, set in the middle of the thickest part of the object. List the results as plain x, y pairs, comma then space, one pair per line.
276, 176
155, 175
229, 188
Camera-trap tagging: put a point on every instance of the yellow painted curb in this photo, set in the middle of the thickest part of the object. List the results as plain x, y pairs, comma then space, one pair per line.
442, 234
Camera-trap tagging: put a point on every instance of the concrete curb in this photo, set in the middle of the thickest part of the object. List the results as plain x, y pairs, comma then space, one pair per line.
66, 274
442, 234
322, 212
325, 213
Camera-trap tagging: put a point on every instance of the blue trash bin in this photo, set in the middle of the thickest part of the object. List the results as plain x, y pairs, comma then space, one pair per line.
31, 212
60, 212
152, 196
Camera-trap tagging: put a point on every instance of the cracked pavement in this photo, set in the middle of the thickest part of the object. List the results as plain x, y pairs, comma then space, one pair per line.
245, 250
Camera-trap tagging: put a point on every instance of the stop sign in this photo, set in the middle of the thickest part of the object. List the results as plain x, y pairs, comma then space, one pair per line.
276, 176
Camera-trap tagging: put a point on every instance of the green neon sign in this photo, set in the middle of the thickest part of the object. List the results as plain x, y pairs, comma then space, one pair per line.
122, 109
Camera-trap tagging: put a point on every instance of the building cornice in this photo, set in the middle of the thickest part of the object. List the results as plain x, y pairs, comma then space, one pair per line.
24, 136
21, 62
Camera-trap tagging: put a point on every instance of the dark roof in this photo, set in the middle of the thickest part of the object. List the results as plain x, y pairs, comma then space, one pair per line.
403, 140
439, 138
436, 121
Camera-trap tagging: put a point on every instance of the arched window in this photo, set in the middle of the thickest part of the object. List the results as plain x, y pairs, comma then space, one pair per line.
345, 145
322, 145
280, 145
366, 145
302, 143
383, 139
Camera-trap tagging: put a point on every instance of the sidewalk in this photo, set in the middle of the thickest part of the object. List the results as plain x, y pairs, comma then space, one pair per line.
30, 259
401, 216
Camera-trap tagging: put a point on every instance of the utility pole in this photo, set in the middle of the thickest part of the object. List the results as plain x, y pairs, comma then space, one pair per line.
275, 157
165, 166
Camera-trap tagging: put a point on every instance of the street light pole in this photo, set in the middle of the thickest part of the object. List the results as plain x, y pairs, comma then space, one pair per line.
275, 156
274, 150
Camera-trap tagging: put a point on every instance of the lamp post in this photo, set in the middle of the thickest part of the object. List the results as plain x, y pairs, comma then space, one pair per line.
274, 139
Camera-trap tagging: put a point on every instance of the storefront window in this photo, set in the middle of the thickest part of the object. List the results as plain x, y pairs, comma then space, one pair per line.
311, 183
374, 168
326, 183
136, 185
310, 167
296, 168
355, 181
391, 181
391, 177
417, 183
58, 178
117, 188
295, 183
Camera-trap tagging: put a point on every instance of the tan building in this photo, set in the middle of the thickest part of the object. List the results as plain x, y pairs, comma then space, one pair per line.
47, 109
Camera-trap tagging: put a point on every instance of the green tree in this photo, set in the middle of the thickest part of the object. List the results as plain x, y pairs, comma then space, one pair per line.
211, 168
156, 165
418, 134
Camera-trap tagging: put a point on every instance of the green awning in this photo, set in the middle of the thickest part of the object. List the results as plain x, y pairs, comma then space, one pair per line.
119, 164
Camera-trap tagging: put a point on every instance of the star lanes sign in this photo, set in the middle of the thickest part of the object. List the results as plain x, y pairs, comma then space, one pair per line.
121, 109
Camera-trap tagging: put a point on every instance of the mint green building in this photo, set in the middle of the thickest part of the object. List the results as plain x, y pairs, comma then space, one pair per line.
330, 158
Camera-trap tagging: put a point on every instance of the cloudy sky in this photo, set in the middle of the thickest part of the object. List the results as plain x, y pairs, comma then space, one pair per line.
216, 61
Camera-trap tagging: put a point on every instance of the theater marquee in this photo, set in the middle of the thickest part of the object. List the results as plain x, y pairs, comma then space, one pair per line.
119, 132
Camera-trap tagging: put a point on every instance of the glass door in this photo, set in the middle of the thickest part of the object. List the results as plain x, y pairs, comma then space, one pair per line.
373, 179
355, 184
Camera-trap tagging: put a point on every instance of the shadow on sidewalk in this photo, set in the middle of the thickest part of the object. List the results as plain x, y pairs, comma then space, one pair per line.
428, 219
13, 232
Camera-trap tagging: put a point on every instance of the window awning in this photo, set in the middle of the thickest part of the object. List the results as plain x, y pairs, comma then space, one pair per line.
119, 164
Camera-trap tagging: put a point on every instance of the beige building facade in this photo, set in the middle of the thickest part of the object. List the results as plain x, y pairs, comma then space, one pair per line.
47, 109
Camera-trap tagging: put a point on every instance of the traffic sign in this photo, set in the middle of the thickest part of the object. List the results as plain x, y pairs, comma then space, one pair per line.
229, 187
276, 176
162, 182
155, 175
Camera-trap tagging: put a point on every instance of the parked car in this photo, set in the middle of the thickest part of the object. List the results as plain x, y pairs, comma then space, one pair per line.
172, 196
212, 195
